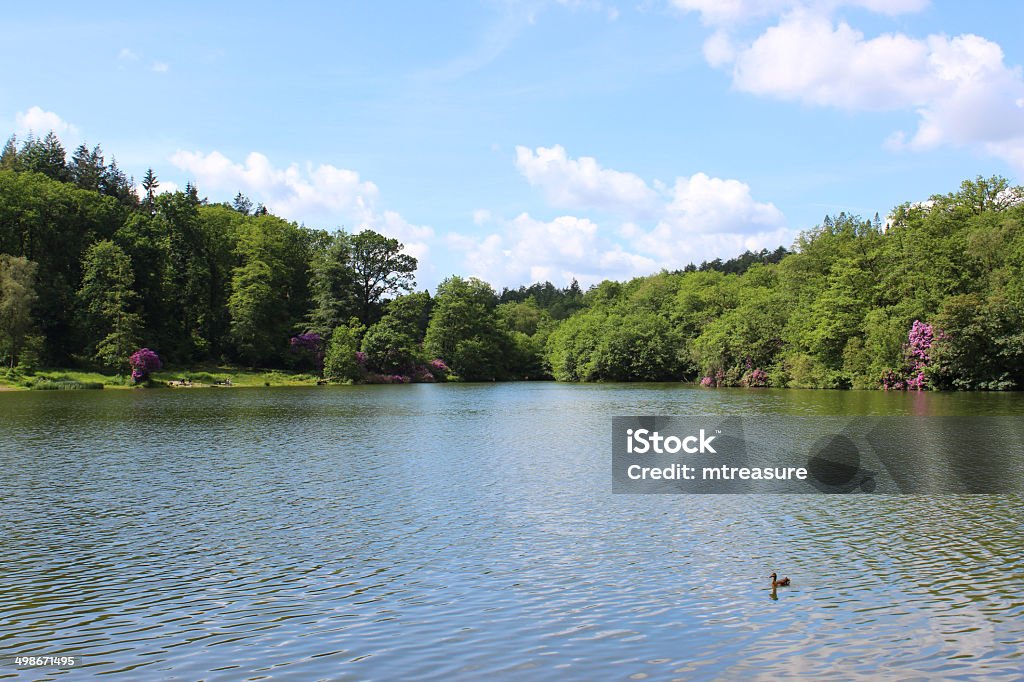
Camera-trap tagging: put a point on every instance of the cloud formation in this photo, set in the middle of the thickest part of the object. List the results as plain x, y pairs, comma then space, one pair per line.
559, 250
322, 194
962, 90
698, 203
39, 122
696, 218
582, 183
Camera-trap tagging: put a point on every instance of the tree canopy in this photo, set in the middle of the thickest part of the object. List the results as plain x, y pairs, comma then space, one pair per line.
89, 272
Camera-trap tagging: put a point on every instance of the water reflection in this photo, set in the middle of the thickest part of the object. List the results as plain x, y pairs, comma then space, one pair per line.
469, 531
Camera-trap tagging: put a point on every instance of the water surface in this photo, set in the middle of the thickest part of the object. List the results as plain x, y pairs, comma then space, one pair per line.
470, 531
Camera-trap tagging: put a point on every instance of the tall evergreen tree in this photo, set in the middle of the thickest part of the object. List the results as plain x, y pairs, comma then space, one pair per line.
108, 296
86, 168
332, 286
149, 185
46, 156
9, 159
17, 295
115, 183
242, 204
253, 307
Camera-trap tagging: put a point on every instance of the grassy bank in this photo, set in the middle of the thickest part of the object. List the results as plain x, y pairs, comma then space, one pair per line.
70, 379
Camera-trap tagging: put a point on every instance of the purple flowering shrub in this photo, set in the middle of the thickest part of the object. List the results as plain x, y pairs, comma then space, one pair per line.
309, 341
752, 377
713, 380
438, 369
756, 378
143, 363
309, 346
917, 354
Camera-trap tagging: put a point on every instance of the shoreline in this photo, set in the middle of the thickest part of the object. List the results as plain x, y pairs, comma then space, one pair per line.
233, 377
203, 377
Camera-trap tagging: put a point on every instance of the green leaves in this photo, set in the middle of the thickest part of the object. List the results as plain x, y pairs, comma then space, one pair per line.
17, 296
464, 330
380, 269
341, 363
107, 296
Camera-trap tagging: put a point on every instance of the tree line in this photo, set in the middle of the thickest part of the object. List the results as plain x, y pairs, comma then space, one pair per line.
90, 272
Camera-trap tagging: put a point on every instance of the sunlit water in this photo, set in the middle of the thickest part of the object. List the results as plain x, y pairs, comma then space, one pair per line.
469, 531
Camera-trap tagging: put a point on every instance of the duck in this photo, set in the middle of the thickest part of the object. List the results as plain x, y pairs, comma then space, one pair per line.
778, 583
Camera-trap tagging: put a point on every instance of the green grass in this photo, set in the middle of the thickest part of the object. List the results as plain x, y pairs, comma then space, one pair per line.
44, 384
237, 375
68, 379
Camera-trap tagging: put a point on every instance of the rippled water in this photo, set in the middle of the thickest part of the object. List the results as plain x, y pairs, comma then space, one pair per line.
469, 531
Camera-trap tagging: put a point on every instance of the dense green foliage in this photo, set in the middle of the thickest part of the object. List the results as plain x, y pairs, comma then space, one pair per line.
107, 295
17, 296
104, 272
89, 272
837, 312
340, 363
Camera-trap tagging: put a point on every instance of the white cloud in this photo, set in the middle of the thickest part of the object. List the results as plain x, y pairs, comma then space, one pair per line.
161, 67
709, 218
697, 218
531, 250
127, 54
705, 204
719, 49
693, 204
961, 89
316, 194
807, 58
582, 183
40, 122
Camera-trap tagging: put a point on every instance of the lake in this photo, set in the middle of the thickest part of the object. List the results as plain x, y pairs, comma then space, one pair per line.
469, 531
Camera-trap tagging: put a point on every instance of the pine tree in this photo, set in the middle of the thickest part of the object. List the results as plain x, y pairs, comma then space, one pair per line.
9, 157
149, 185
86, 169
115, 183
192, 194
242, 204
46, 156
108, 299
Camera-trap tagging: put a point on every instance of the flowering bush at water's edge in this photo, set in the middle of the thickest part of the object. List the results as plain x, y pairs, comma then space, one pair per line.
143, 363
308, 349
434, 371
914, 374
917, 354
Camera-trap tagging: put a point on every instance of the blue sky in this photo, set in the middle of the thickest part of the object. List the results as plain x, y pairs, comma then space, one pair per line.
522, 141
